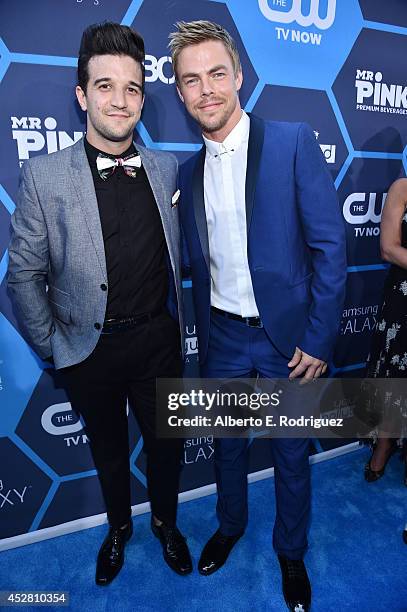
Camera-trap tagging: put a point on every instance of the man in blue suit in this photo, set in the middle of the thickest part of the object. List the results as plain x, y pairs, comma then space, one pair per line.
266, 248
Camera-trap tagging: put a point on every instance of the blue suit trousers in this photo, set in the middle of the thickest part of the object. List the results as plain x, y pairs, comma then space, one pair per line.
239, 351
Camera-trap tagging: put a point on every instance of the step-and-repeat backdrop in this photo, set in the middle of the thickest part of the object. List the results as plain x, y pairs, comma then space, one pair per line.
338, 65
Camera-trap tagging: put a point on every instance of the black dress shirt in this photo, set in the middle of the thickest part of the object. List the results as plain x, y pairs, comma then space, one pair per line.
134, 241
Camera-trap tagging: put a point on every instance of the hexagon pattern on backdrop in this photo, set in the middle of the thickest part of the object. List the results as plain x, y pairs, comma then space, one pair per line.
313, 107
23, 486
372, 94
391, 11
325, 66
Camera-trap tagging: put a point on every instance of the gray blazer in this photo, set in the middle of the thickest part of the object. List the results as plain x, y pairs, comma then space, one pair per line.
56, 256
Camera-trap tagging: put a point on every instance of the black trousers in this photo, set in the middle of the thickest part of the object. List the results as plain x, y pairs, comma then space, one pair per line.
124, 366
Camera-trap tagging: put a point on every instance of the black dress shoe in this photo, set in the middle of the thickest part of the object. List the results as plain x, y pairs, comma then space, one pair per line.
296, 585
111, 554
175, 549
215, 552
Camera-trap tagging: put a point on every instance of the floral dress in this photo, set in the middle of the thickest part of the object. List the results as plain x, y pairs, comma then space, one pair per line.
388, 354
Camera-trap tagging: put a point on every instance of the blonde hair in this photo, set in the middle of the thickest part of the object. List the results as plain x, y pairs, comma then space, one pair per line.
194, 32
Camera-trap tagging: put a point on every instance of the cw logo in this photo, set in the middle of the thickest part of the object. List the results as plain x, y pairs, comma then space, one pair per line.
356, 212
59, 420
295, 13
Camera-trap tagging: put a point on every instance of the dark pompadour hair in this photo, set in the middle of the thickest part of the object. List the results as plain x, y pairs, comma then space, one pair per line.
108, 38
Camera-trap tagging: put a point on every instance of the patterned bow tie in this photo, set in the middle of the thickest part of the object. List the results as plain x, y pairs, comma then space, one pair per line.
107, 165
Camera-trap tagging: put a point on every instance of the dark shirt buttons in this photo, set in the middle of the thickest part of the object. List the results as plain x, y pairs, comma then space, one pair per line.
129, 214
97, 326
103, 287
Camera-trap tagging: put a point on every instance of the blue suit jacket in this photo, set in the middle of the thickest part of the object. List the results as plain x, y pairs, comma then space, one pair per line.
296, 239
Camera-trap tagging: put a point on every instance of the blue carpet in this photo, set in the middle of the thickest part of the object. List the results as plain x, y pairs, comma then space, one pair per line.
356, 559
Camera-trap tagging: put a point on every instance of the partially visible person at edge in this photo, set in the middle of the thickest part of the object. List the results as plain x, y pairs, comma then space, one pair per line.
94, 273
266, 245
388, 354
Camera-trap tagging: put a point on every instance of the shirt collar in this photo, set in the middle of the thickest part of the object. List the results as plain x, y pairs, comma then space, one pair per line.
233, 140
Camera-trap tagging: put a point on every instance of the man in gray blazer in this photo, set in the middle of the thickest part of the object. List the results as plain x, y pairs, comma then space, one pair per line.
94, 272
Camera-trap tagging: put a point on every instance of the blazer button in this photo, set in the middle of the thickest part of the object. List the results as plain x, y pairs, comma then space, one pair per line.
103, 287
97, 326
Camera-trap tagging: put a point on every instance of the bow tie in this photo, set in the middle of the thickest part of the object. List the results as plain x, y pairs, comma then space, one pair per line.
107, 165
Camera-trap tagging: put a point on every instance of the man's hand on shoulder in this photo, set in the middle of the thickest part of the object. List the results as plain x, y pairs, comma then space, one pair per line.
306, 366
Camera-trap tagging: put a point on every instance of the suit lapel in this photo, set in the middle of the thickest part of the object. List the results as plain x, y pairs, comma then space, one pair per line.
157, 179
254, 153
82, 179
199, 203
153, 173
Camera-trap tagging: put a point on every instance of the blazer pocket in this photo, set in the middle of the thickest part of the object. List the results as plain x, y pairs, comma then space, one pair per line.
60, 304
60, 312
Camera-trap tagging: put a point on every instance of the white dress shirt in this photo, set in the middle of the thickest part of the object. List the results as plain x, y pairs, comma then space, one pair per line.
225, 207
